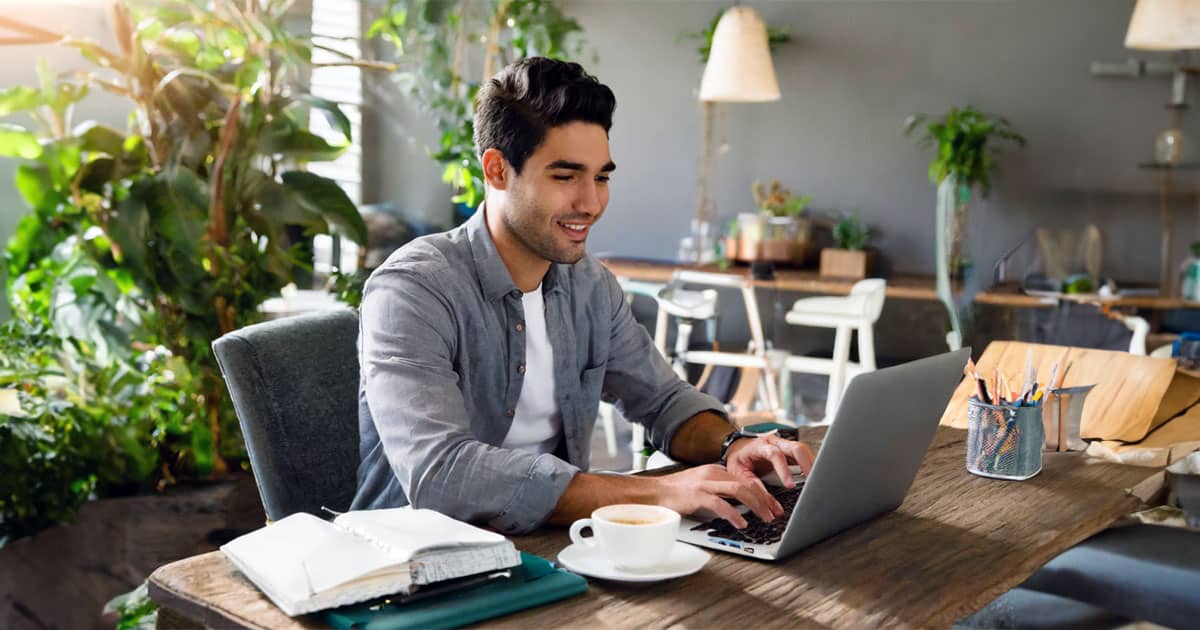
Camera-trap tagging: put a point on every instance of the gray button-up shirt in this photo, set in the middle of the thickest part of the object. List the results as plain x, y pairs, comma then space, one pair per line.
441, 348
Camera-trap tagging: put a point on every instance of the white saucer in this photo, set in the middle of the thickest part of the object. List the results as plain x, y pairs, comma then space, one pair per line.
684, 560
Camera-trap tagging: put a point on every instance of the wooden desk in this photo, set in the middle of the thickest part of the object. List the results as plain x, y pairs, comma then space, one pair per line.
1011, 295
957, 542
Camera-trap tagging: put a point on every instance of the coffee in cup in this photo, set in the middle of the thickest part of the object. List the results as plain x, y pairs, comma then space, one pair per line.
631, 536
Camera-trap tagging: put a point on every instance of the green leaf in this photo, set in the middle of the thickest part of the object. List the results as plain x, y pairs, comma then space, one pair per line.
285, 139
97, 172
100, 138
34, 183
325, 197
128, 227
18, 99
184, 42
15, 141
333, 113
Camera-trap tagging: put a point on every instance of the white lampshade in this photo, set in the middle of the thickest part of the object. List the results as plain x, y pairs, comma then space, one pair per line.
1164, 25
739, 68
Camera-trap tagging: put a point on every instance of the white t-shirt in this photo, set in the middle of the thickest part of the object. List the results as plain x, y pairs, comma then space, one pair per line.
536, 422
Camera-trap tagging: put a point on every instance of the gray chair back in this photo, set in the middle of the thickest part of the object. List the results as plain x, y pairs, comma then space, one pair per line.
294, 385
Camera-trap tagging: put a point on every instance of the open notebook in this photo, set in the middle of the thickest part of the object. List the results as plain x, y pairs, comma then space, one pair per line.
305, 564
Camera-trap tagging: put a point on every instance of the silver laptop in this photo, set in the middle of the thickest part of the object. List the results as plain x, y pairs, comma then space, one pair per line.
867, 462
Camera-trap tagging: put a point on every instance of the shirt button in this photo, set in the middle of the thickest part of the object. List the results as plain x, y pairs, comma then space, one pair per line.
521, 327
509, 412
521, 369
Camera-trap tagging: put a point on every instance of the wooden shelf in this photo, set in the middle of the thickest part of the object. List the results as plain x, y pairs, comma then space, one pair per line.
900, 286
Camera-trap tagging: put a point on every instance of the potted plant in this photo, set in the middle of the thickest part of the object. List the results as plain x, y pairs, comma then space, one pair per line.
778, 231
963, 162
851, 258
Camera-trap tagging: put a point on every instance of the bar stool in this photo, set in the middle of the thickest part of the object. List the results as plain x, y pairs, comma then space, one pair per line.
857, 311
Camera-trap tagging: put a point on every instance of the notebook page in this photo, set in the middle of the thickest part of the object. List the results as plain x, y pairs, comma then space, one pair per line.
301, 555
406, 531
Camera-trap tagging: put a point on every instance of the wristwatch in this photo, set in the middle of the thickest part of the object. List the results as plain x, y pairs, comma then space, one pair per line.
734, 436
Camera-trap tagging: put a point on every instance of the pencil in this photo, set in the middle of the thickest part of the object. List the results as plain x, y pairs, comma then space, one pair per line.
1063, 377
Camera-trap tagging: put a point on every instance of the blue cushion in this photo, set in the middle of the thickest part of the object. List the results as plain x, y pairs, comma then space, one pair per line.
1023, 608
1145, 572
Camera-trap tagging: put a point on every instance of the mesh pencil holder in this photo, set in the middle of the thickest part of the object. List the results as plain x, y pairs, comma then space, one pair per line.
1004, 442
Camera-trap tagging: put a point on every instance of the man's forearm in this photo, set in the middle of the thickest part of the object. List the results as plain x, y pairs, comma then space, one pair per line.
587, 492
698, 441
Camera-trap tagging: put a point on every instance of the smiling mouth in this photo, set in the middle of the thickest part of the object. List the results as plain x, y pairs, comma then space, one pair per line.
575, 231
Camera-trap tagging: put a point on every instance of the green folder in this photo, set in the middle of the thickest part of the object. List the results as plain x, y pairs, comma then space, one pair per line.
535, 582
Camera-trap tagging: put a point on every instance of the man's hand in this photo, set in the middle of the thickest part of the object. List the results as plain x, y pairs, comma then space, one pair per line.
705, 488
747, 458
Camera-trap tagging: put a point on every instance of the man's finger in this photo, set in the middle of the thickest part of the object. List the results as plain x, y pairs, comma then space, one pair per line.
800, 454
754, 496
722, 509
779, 462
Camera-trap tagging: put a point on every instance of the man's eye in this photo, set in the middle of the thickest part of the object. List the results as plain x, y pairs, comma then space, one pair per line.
603, 179
563, 178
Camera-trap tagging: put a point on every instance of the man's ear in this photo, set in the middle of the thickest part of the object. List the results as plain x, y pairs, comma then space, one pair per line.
496, 170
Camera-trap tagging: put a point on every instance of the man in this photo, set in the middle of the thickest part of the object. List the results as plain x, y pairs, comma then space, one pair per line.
486, 349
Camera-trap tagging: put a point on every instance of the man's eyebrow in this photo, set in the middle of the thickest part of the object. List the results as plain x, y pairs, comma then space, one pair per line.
577, 166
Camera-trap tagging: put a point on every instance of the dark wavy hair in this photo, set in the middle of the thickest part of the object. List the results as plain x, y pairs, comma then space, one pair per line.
515, 108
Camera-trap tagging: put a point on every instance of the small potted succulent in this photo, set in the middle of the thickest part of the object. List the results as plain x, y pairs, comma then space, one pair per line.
778, 231
851, 258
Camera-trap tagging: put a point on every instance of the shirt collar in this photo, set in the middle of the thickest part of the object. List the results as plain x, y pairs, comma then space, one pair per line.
494, 279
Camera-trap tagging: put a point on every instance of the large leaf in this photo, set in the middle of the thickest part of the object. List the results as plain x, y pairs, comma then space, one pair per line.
333, 113
285, 138
18, 99
15, 141
325, 197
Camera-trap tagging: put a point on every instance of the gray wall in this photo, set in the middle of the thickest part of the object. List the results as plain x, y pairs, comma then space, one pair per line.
855, 70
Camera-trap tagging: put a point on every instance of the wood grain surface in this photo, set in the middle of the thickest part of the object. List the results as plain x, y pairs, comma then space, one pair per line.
956, 543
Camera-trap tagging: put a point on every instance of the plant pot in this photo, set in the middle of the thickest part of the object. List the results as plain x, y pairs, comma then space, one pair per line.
731, 248
845, 263
61, 577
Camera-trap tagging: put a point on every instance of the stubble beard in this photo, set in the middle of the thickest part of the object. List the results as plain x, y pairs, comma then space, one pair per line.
530, 234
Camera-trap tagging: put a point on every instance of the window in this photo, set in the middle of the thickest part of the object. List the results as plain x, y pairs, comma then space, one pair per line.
337, 25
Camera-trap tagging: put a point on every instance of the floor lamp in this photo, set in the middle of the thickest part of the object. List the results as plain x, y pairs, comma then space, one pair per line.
739, 70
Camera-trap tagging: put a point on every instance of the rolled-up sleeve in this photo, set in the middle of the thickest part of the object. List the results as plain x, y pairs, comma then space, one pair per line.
646, 389
414, 396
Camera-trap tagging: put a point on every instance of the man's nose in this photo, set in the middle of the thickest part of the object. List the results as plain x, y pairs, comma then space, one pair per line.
588, 199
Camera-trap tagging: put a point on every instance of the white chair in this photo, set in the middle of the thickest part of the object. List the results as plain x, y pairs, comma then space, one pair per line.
689, 306
1140, 329
857, 311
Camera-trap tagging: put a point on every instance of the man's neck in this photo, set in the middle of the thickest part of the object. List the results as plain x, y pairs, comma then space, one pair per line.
525, 267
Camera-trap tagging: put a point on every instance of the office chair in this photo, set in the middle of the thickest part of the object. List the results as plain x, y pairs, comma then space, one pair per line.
294, 386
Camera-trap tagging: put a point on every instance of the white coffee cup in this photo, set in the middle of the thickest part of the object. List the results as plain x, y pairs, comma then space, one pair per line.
631, 536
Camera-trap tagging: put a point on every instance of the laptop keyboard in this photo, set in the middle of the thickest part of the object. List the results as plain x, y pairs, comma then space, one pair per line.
757, 531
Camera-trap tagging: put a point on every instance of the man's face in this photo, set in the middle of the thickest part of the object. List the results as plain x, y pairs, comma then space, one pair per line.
561, 192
